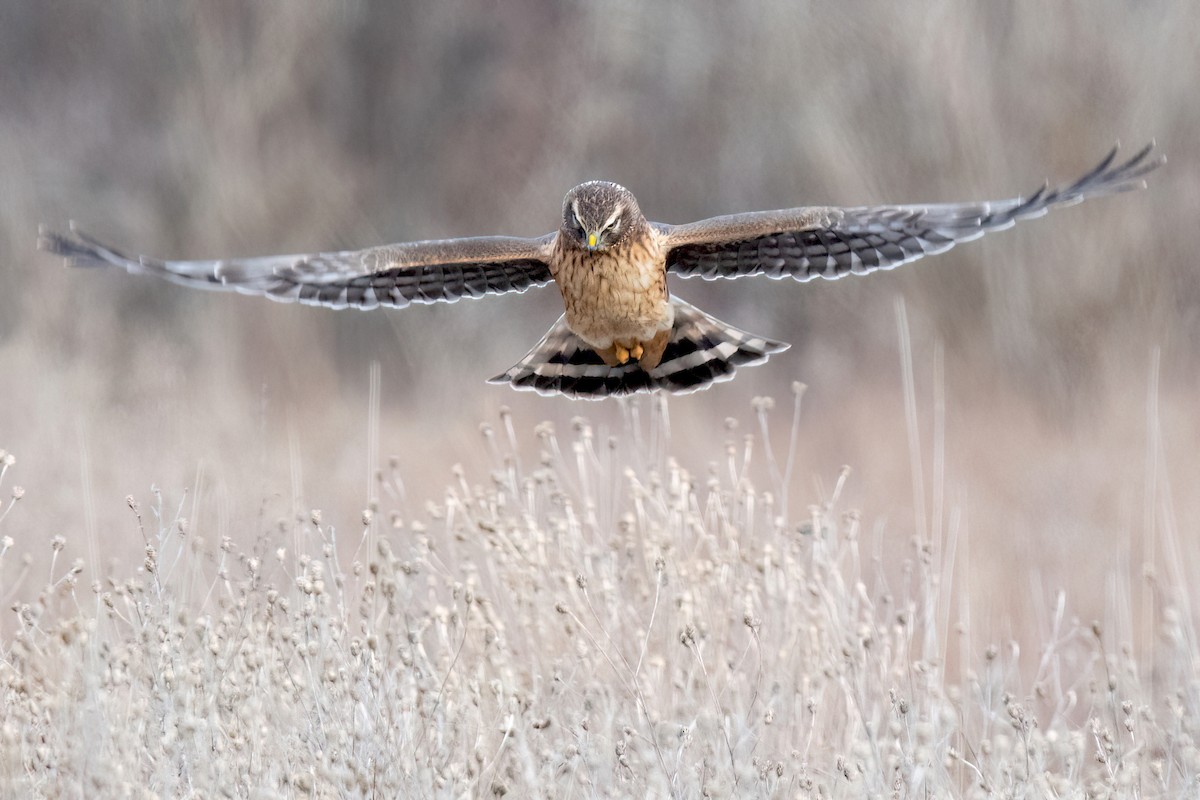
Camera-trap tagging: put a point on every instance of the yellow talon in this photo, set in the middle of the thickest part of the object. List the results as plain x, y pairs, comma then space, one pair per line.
636, 350
621, 353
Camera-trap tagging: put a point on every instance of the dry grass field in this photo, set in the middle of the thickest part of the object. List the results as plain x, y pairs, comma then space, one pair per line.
273, 551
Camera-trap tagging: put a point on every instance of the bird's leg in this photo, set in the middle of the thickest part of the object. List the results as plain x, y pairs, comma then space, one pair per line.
651, 352
619, 353
609, 355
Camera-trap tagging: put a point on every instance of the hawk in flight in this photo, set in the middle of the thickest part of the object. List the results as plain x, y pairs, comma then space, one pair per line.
622, 332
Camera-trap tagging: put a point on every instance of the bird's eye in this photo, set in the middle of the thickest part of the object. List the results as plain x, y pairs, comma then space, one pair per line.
613, 226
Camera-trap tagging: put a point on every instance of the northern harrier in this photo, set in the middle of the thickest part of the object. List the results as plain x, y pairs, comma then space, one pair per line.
622, 331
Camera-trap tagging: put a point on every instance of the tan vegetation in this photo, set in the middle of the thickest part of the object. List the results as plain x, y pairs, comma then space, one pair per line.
599, 622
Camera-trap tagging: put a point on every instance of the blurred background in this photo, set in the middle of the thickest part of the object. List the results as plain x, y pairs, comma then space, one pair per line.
1055, 366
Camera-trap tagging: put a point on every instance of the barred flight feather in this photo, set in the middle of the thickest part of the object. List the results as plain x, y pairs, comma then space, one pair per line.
859, 240
702, 351
334, 280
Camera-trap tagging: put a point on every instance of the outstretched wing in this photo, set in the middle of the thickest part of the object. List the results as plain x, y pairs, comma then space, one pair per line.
392, 275
807, 243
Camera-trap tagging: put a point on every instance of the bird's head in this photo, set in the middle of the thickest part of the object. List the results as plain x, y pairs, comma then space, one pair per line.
600, 214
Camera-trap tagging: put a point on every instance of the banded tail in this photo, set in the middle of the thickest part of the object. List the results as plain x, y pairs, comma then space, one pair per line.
702, 351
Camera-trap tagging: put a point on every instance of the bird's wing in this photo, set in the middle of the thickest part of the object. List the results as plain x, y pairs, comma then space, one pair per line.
807, 243
391, 275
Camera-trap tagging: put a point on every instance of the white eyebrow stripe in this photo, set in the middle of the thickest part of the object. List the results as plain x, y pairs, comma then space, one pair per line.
575, 210
620, 210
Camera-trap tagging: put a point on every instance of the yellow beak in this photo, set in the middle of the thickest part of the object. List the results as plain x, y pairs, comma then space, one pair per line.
591, 240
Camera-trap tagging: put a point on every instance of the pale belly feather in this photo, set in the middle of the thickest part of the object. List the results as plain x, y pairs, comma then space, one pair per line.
616, 296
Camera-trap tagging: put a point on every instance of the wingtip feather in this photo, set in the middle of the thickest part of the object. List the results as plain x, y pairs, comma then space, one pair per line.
46, 238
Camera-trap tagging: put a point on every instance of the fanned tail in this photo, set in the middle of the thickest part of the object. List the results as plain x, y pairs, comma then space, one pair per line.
702, 351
